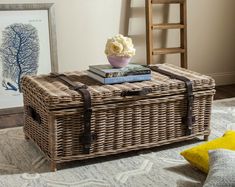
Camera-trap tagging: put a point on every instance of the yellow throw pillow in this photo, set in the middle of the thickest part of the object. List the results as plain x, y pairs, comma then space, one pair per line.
198, 156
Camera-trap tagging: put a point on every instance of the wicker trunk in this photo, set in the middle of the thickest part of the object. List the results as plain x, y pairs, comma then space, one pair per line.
123, 117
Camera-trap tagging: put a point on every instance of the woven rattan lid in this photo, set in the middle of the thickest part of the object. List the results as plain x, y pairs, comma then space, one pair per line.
54, 93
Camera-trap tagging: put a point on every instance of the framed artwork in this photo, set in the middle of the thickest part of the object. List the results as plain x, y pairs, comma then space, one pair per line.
27, 47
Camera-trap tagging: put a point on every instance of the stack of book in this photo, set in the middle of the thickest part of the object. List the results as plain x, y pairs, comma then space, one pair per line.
106, 74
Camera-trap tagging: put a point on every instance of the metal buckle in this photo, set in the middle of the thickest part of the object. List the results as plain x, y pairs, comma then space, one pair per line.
186, 120
87, 138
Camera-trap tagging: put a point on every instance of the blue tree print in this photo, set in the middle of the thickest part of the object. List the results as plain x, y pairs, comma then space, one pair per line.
19, 53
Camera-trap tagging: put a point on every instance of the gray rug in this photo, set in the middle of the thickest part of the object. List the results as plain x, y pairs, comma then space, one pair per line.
22, 165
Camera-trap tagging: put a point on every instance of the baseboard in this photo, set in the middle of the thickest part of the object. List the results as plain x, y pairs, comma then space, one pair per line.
223, 78
224, 100
11, 120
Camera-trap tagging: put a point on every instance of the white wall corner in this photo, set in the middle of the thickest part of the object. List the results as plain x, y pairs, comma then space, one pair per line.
223, 78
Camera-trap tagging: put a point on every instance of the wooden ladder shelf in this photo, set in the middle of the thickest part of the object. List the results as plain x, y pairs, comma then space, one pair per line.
150, 27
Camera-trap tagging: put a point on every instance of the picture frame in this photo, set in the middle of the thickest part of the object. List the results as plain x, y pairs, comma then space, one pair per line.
39, 19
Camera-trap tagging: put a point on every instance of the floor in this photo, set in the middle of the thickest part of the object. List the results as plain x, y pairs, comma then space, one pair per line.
14, 120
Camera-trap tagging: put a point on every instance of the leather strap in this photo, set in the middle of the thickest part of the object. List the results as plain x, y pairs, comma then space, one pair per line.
87, 137
143, 92
190, 119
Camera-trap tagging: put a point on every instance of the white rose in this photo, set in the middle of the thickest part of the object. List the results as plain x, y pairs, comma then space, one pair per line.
116, 48
120, 46
129, 43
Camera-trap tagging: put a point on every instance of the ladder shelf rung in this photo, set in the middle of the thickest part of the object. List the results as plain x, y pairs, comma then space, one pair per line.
168, 26
167, 1
162, 51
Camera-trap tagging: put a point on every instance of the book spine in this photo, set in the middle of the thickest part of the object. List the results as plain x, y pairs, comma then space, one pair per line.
119, 74
98, 72
140, 72
131, 78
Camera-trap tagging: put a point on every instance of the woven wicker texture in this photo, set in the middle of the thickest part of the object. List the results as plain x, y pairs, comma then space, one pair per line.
55, 94
121, 124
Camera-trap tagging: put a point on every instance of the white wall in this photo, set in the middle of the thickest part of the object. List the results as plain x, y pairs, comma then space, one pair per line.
82, 29
211, 36
84, 25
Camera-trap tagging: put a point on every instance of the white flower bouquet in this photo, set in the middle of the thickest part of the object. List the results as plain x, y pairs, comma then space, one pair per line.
119, 50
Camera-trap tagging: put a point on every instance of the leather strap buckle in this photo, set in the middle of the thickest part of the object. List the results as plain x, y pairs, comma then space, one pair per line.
189, 119
86, 138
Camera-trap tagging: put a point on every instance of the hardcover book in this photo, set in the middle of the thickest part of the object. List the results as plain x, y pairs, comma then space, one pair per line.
108, 71
116, 80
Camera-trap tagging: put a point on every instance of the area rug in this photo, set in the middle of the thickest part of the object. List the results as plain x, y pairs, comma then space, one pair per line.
22, 165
